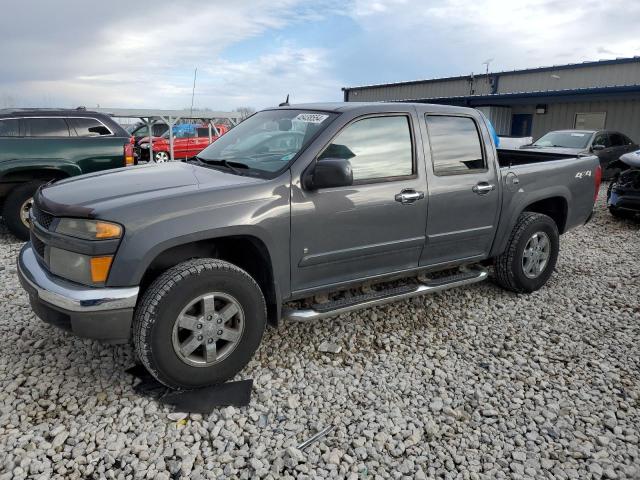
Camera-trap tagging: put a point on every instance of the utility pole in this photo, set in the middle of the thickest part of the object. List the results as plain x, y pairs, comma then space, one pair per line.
193, 91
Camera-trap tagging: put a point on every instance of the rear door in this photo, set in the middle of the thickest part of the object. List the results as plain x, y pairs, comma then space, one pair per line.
621, 144
374, 227
183, 145
464, 194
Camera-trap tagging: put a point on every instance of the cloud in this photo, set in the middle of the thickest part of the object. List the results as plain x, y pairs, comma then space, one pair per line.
142, 54
453, 37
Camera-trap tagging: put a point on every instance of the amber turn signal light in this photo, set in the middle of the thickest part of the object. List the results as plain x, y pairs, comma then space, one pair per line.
106, 230
100, 268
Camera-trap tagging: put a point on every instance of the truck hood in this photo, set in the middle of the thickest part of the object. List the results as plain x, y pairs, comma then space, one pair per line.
86, 195
560, 150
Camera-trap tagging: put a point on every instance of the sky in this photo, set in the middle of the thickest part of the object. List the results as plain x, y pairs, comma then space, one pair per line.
252, 53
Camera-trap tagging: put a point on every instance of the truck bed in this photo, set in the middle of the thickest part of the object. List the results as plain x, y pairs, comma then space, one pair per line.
507, 158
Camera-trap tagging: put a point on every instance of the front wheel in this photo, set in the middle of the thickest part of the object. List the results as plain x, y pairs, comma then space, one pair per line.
199, 323
161, 157
17, 207
531, 254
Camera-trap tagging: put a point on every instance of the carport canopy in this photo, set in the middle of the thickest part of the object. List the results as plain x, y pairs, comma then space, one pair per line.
171, 117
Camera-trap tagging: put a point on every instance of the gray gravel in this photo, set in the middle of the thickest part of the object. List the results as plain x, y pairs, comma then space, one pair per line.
469, 383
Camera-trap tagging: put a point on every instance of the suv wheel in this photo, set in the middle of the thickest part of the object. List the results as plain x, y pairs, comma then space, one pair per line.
17, 206
199, 323
161, 157
531, 254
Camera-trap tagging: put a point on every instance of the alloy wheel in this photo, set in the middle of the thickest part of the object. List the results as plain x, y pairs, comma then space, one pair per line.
208, 329
536, 255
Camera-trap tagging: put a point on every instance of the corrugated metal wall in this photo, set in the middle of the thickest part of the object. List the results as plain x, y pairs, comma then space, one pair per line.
569, 78
622, 115
500, 118
414, 91
604, 75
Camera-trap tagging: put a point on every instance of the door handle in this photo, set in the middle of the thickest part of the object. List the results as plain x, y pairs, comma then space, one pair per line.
483, 188
406, 197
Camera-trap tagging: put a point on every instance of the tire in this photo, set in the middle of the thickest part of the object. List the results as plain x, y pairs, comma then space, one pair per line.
18, 202
158, 336
161, 157
511, 266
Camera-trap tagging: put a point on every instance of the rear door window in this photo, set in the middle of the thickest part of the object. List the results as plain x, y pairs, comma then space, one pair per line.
46, 127
89, 127
455, 145
10, 127
617, 140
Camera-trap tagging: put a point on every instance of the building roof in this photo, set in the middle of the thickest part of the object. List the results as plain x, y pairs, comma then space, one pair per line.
617, 89
594, 63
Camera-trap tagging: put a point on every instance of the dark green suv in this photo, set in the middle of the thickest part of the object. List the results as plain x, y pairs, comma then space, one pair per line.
41, 145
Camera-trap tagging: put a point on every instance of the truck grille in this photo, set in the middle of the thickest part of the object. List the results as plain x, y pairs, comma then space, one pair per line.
43, 218
38, 245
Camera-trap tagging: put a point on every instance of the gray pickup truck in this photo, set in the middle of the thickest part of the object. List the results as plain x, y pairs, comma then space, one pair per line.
298, 213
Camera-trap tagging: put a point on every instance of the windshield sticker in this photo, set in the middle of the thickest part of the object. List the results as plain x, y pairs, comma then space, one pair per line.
312, 117
578, 134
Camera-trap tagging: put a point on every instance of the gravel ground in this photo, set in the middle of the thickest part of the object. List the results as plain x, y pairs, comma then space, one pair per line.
469, 383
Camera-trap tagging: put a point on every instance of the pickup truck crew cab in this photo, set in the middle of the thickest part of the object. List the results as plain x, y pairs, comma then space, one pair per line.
192, 260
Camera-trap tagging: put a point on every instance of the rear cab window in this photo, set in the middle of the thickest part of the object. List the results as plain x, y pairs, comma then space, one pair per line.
379, 148
455, 144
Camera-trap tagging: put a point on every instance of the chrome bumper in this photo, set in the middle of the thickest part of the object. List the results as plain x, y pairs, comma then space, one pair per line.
68, 295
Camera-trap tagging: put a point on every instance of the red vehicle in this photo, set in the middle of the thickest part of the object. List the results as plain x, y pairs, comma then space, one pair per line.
188, 141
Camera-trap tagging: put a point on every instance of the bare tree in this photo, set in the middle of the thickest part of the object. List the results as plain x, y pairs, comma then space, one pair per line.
245, 111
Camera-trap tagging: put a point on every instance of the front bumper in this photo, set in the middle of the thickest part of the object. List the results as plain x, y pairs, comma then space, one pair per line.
100, 313
624, 201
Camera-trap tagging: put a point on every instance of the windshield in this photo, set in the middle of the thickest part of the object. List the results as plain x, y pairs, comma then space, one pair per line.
266, 142
564, 140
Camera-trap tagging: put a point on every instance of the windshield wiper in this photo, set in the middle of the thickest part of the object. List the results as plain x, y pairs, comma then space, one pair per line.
230, 165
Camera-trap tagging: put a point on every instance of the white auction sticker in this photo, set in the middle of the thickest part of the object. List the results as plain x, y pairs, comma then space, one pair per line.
578, 134
312, 117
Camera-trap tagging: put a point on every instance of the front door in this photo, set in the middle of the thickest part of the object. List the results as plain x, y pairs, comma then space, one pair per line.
377, 225
521, 124
464, 194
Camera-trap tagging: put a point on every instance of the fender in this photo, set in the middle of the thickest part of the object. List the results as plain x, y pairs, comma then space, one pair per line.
20, 169
518, 204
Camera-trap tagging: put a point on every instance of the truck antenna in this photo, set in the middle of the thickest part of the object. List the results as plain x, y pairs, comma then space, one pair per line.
285, 103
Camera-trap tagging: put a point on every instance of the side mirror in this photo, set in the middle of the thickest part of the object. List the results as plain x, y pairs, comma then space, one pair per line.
597, 148
328, 173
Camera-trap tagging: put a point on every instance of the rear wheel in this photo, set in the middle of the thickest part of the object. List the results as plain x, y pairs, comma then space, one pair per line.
531, 254
17, 207
199, 323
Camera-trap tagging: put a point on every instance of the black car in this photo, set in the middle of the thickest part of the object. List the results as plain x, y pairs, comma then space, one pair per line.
607, 145
623, 195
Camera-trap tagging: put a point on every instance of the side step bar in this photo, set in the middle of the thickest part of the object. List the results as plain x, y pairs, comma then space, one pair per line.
338, 307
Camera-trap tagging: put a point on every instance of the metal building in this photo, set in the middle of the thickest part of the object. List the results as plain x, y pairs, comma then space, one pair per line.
531, 102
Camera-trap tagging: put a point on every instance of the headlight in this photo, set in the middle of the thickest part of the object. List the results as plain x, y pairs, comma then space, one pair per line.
79, 268
89, 229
